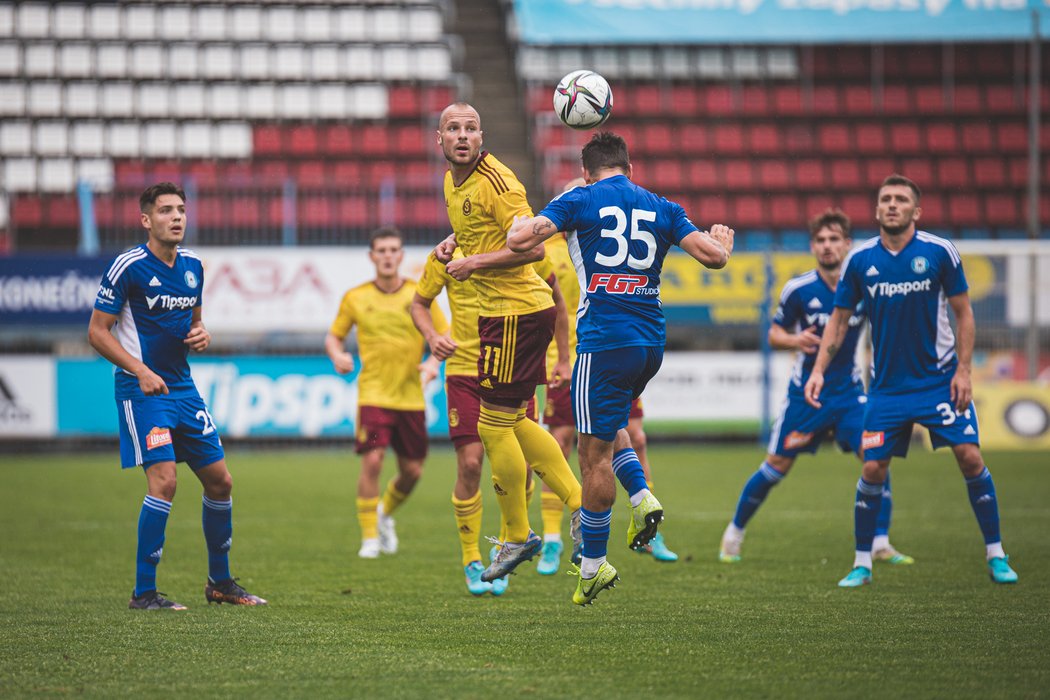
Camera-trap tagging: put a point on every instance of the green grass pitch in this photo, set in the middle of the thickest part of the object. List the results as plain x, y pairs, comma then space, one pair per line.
774, 625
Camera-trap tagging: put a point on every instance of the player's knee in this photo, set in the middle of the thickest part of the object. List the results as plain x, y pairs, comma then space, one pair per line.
970, 460
163, 486
412, 470
221, 487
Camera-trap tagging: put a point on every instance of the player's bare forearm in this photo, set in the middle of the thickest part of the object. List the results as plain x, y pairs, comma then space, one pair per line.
711, 249
419, 310
561, 322
526, 233
342, 361
506, 258
831, 342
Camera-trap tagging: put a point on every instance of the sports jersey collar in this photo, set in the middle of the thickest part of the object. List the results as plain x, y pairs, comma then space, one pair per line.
399, 287
157, 258
481, 157
914, 235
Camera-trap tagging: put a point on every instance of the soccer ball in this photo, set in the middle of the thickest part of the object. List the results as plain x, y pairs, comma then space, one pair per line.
583, 100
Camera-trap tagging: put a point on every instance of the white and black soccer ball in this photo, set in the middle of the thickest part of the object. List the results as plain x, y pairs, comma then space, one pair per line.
583, 100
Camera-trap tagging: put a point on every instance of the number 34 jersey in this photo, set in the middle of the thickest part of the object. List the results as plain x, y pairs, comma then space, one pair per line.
618, 235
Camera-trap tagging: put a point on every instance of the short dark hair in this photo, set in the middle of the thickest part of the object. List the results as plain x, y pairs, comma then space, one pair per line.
898, 179
384, 232
605, 150
832, 216
148, 198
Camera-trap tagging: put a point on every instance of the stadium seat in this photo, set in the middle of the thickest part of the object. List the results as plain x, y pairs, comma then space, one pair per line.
268, 140
896, 100
754, 100
657, 139
1003, 209
920, 170
244, 212
905, 137
748, 211
764, 138
302, 141
1011, 137
784, 211
195, 140
913, 61
941, 137
684, 101
859, 206
809, 174
712, 208
404, 101
966, 99
1002, 99
977, 137
774, 175
702, 175
876, 170
204, 173
953, 172
692, 138
964, 210
273, 172
846, 174
27, 211
825, 100
316, 211
834, 139
787, 100
858, 100
738, 174
311, 174
410, 141
1017, 171
347, 172
929, 99
718, 101
799, 138
989, 172
353, 211
728, 138
208, 212
375, 140
870, 138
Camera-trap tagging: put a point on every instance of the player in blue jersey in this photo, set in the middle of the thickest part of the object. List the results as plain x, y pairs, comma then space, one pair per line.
907, 279
147, 317
806, 303
618, 235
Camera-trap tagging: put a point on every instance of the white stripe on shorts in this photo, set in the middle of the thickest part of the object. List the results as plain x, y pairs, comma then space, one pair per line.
583, 377
129, 416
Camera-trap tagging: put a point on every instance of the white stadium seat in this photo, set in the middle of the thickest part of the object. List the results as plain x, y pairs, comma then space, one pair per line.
87, 138
140, 22
40, 60
10, 58
289, 62
16, 138
433, 62
323, 62
233, 140
195, 140
224, 100
675, 62
260, 101
184, 61
387, 24
111, 60
97, 172
316, 24
124, 139
746, 63
5, 216
176, 21
7, 20
534, 63
425, 24
568, 59
210, 23
118, 99
606, 61
69, 21
395, 62
81, 99
12, 99
246, 22
152, 100
34, 20
217, 61
147, 60
349, 24
159, 140
295, 101
640, 62
279, 24
76, 60
782, 62
56, 175
104, 22
333, 101
711, 63
20, 174
51, 138
360, 62
369, 101
188, 100
253, 62
45, 99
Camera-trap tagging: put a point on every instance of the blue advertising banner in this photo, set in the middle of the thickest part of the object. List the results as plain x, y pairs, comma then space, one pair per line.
766, 21
247, 396
55, 290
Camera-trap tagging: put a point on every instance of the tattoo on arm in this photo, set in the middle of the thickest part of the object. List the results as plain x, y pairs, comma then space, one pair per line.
832, 349
541, 227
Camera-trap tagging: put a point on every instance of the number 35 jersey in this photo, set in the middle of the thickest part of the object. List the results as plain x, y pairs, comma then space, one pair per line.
618, 235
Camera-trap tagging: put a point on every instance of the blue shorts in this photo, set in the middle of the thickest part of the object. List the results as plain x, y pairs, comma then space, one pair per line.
889, 419
165, 429
605, 383
801, 428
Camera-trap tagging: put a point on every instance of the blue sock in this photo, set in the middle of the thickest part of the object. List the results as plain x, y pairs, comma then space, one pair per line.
882, 523
218, 534
595, 530
984, 504
755, 491
628, 470
865, 513
153, 518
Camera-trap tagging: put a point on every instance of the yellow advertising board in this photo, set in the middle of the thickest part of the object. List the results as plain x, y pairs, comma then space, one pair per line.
1013, 415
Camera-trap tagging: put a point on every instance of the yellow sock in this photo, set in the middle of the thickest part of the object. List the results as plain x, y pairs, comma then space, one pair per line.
468, 522
649, 484
529, 490
496, 430
547, 461
392, 498
551, 508
366, 517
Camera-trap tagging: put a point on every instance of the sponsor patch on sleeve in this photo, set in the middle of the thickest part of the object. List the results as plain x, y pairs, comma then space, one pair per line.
158, 437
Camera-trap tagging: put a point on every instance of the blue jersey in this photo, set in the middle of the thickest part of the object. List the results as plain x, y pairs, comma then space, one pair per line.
808, 301
618, 235
907, 301
154, 307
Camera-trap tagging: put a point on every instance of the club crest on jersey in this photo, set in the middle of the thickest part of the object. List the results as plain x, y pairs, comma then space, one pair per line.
615, 283
158, 437
191, 279
871, 440
919, 264
467, 207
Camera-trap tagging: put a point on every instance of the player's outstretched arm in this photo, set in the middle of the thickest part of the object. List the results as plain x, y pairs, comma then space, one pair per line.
504, 258
834, 334
342, 361
106, 344
805, 340
198, 338
441, 345
528, 232
710, 248
562, 371
966, 328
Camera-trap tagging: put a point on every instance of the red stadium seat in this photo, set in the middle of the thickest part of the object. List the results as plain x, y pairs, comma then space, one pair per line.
825, 99
933, 211
303, 141
244, 212
728, 138
436, 97
132, 172
977, 137
1011, 137
353, 211
941, 137
904, 137
375, 139
754, 100
919, 170
860, 207
1002, 99
953, 173
238, 173
347, 172
411, 141
964, 210
274, 210
845, 174
208, 212
702, 175
929, 99
765, 138
858, 100
834, 138
870, 137
896, 100
800, 138
426, 212
311, 174
1003, 209
784, 211
380, 170
27, 211
990, 61
876, 170
692, 139
718, 101
809, 174
712, 208
643, 100
657, 138
685, 101
665, 174
748, 210
774, 175
739, 175
404, 101
166, 171
205, 173
787, 100
913, 61
989, 172
966, 99
317, 211
337, 140
1017, 171
267, 141
817, 203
